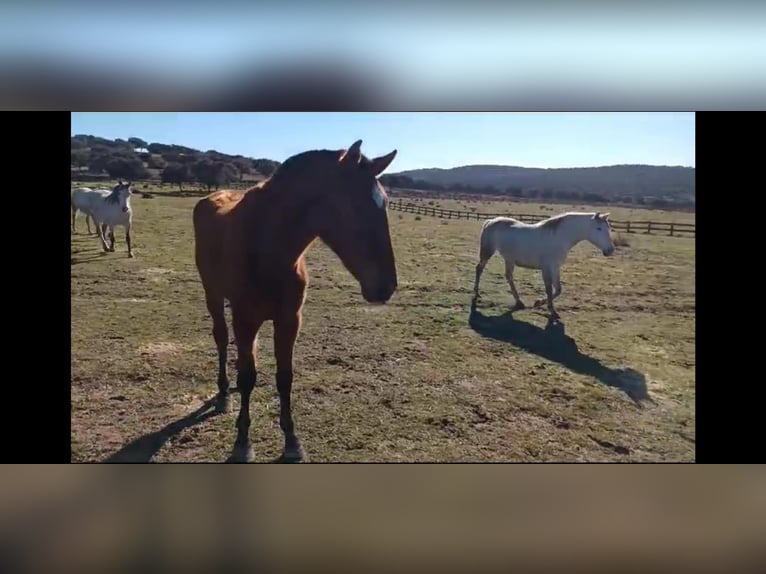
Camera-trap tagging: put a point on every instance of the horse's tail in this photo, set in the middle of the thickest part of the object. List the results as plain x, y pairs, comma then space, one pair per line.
487, 245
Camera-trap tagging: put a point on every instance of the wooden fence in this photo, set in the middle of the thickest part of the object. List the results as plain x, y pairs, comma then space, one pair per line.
673, 229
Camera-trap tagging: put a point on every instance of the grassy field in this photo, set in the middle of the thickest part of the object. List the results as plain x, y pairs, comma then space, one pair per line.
527, 207
420, 379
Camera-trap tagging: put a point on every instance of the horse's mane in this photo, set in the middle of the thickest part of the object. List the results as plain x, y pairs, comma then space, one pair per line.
113, 196
297, 162
553, 223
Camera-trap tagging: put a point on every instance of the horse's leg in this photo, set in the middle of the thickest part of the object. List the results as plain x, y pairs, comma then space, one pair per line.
548, 281
111, 238
486, 250
128, 227
509, 266
87, 222
245, 331
555, 275
221, 337
483, 259
74, 214
100, 233
285, 333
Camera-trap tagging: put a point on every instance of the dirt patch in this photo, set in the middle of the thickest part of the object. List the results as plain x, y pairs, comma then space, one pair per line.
156, 271
162, 349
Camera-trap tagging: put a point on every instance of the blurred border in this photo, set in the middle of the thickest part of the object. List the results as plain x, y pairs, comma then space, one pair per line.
524, 56
679, 518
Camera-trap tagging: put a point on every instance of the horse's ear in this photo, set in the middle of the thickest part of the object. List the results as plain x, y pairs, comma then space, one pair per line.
605, 216
352, 154
379, 164
597, 216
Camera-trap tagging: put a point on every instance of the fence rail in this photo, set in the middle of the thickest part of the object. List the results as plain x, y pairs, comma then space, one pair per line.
671, 228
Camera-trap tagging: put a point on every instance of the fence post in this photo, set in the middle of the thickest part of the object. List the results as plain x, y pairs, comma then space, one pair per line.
649, 228
671, 229
628, 231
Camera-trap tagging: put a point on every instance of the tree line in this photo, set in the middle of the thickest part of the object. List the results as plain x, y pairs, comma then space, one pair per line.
136, 159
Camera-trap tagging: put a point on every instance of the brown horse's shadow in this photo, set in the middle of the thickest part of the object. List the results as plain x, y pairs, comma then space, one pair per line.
145, 447
552, 343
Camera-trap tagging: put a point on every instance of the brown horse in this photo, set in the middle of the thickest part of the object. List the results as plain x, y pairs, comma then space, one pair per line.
249, 250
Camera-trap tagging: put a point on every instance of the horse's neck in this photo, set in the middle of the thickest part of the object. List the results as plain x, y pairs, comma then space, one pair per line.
574, 232
277, 230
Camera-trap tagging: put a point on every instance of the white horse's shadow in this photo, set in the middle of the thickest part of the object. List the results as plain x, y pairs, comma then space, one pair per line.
552, 343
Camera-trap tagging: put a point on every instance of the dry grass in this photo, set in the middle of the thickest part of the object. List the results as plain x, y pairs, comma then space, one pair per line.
421, 379
548, 209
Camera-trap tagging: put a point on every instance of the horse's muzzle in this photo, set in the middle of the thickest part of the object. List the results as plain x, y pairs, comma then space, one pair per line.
379, 294
608, 252
125, 209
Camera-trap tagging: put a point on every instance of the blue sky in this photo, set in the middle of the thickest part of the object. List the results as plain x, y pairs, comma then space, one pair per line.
438, 139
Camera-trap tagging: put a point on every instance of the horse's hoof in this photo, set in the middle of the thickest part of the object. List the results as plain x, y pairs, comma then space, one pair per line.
241, 454
223, 404
292, 455
130, 255
519, 306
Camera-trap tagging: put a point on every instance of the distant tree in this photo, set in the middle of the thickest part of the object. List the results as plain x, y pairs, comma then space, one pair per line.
176, 173
126, 168
158, 148
79, 142
265, 166
171, 157
515, 191
122, 143
244, 166
79, 157
97, 160
156, 162
137, 143
213, 173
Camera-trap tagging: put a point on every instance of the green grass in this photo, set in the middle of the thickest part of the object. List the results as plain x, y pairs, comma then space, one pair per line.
409, 381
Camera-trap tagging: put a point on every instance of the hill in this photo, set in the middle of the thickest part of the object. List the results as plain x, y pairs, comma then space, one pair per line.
95, 157
659, 186
622, 183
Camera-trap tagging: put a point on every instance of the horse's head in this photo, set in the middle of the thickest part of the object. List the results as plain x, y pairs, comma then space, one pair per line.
352, 220
599, 233
123, 192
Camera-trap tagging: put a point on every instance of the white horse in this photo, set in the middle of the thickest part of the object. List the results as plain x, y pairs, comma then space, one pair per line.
112, 210
543, 245
83, 199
